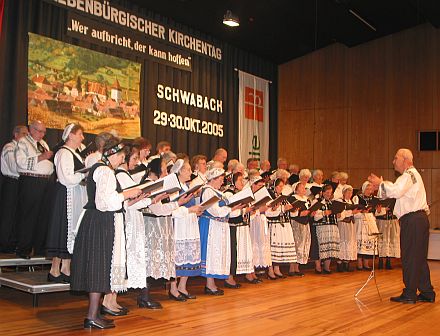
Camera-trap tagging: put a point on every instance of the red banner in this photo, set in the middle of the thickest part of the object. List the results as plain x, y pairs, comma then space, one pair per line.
2, 9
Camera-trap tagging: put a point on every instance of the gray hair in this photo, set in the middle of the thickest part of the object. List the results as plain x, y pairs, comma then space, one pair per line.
406, 154
305, 172
317, 171
101, 139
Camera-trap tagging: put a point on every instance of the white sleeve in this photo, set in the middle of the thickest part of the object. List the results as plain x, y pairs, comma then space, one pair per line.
126, 182
234, 213
106, 198
163, 209
318, 215
273, 213
356, 201
8, 156
215, 210
396, 189
180, 212
24, 161
65, 168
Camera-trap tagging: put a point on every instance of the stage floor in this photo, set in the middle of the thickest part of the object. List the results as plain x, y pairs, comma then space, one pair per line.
312, 305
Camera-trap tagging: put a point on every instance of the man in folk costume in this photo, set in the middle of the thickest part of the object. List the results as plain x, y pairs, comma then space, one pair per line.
35, 168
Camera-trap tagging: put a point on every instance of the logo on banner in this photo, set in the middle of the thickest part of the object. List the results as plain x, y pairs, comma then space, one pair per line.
253, 104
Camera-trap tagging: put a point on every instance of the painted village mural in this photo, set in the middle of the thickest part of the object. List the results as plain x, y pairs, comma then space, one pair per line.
67, 84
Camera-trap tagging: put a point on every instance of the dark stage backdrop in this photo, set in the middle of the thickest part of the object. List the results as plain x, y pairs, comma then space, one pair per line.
208, 78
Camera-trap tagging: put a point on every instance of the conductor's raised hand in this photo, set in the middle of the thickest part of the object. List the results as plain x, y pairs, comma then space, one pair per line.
375, 180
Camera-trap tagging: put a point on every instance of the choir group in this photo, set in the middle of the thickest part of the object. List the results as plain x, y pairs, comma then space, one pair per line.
119, 218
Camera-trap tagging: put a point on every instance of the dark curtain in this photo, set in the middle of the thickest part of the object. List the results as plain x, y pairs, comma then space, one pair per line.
208, 78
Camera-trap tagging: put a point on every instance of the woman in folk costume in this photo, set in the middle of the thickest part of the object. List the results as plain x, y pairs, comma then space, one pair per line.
138, 173
389, 241
282, 242
214, 233
347, 232
93, 252
343, 178
159, 236
304, 178
133, 234
317, 178
186, 236
365, 227
301, 229
327, 230
70, 197
241, 245
260, 237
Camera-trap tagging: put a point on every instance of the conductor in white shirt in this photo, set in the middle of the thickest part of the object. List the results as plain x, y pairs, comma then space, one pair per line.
412, 211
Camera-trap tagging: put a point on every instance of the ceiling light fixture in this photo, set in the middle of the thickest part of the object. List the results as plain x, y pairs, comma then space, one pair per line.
230, 20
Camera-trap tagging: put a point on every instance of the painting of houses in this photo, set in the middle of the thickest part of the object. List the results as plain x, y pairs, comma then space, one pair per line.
67, 84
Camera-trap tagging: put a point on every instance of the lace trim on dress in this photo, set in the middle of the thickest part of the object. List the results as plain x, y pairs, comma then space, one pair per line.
118, 267
70, 231
187, 251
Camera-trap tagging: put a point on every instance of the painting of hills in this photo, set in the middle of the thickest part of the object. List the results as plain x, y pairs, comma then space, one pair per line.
68, 84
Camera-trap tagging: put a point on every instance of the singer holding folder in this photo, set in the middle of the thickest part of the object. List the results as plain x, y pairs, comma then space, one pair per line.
70, 197
412, 210
215, 240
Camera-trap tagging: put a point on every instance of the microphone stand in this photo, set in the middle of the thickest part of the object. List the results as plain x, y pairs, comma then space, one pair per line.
373, 272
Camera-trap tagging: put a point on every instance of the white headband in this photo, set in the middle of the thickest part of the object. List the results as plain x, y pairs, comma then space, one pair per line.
67, 131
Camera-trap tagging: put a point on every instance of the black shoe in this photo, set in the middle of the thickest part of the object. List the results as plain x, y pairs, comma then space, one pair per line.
96, 324
299, 274
179, 298
367, 268
57, 279
23, 256
188, 296
402, 299
211, 292
144, 302
259, 280
340, 267
324, 271
271, 278
105, 310
291, 273
65, 278
281, 276
228, 285
253, 281
424, 298
318, 272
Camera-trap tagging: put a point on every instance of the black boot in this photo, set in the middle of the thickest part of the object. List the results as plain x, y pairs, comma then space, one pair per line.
339, 267
388, 264
380, 266
144, 300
